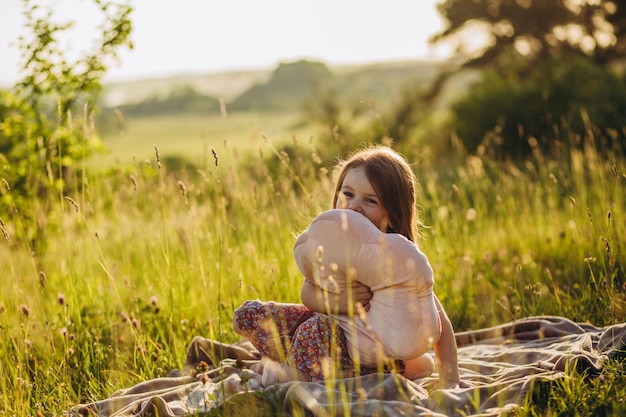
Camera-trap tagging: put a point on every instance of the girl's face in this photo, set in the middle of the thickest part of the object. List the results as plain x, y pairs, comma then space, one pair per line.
356, 193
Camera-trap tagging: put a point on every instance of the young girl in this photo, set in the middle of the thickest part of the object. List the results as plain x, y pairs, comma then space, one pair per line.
379, 184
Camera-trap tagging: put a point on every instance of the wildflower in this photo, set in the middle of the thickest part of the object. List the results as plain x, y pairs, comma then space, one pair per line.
61, 299
154, 300
202, 367
471, 215
25, 309
136, 323
28, 343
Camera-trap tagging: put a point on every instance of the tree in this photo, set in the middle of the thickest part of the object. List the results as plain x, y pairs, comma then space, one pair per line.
535, 30
46, 119
511, 117
545, 66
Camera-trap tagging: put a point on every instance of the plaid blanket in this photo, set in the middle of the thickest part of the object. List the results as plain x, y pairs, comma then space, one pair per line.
498, 366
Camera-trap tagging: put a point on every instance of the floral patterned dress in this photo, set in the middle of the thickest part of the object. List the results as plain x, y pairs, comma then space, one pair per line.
294, 334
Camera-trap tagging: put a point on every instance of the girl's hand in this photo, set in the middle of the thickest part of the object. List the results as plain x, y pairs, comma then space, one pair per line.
345, 302
360, 294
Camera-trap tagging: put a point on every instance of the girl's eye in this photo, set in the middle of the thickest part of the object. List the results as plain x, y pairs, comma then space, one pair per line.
347, 194
370, 201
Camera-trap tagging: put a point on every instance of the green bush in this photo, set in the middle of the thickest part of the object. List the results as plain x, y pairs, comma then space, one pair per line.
557, 102
47, 118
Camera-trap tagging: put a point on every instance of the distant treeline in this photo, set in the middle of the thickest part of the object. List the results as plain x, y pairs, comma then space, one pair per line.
291, 86
181, 100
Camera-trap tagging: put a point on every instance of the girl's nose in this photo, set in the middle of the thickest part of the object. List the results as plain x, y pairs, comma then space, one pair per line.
354, 205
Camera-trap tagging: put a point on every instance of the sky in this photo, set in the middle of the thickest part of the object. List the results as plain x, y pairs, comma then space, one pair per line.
195, 36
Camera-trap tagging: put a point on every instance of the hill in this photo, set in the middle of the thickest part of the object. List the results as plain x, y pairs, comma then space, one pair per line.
225, 85
284, 87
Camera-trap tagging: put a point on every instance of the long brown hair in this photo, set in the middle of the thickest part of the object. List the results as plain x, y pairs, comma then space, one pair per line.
393, 180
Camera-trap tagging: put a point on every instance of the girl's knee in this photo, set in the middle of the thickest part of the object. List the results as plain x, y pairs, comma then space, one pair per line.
420, 367
247, 316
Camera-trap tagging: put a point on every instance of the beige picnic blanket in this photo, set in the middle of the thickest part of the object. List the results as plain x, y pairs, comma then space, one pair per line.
497, 364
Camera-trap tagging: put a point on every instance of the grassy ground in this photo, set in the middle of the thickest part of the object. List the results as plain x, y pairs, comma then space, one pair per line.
140, 259
190, 137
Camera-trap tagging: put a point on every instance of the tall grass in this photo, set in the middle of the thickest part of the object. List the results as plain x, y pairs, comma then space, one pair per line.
508, 241
144, 258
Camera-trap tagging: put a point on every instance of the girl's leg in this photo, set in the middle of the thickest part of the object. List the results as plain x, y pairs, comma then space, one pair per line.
319, 341
270, 326
420, 367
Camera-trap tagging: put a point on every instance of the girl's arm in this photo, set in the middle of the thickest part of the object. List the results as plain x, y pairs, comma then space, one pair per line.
325, 302
446, 352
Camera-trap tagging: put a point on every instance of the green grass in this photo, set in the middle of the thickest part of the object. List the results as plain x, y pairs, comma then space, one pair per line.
139, 258
190, 137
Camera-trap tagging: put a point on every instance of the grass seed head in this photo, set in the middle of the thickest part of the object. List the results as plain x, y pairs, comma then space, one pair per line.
158, 156
320, 253
5, 233
43, 280
182, 188
73, 203
215, 157
133, 181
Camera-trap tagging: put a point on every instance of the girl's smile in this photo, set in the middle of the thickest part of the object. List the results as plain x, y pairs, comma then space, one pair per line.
357, 194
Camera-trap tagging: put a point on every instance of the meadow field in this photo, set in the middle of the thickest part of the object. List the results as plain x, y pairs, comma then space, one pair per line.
146, 252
